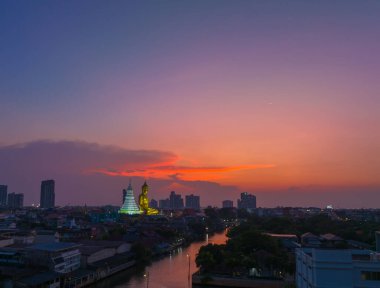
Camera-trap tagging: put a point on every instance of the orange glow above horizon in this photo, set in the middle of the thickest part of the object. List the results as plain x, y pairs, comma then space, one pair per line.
182, 172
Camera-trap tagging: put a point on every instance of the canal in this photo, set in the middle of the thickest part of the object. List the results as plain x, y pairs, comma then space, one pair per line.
171, 271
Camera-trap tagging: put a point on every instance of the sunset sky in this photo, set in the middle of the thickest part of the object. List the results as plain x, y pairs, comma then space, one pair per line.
277, 98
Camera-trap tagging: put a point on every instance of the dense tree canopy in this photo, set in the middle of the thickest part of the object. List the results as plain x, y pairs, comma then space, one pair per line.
249, 246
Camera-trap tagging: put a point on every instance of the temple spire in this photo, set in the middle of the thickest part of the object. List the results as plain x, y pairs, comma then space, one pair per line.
129, 206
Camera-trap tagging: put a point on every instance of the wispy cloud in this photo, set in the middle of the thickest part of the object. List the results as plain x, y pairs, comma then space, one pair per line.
72, 165
77, 156
183, 172
82, 171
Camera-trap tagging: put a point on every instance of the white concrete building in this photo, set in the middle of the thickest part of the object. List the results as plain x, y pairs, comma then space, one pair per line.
333, 268
61, 257
93, 251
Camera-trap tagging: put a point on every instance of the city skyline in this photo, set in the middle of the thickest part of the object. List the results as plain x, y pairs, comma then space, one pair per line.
212, 98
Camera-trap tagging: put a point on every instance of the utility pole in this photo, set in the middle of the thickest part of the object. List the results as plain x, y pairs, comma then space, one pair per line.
188, 274
147, 279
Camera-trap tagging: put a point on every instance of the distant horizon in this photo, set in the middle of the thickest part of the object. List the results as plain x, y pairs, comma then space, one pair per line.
204, 207
232, 193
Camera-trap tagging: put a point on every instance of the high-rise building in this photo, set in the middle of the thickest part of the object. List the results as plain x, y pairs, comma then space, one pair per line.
47, 199
3, 195
247, 201
129, 206
153, 203
176, 201
15, 200
164, 204
192, 202
228, 204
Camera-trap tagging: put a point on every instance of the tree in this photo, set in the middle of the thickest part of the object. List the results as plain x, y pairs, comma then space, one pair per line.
209, 257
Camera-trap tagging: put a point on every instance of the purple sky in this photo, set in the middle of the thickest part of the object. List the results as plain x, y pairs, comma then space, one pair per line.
277, 98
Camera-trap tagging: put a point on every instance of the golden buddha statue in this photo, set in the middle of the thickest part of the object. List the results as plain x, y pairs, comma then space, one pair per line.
144, 201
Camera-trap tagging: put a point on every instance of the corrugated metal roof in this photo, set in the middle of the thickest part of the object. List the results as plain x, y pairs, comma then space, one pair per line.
39, 279
54, 246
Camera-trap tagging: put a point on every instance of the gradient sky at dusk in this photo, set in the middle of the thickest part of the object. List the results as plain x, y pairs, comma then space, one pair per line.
277, 98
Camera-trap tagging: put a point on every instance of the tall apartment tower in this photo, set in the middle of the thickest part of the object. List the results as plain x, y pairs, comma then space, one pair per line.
47, 199
3, 195
247, 201
176, 201
164, 204
192, 202
15, 200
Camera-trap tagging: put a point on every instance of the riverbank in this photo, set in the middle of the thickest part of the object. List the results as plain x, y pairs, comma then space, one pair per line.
171, 271
101, 270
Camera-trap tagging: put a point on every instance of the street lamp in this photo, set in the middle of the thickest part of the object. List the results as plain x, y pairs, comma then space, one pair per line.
147, 279
188, 274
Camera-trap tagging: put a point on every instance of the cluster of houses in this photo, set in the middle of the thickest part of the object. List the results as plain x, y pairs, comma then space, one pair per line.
75, 247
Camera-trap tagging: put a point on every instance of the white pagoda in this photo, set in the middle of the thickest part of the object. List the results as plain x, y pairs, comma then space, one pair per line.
129, 206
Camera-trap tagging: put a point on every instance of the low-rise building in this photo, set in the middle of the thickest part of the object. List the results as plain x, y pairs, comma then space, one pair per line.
12, 257
94, 251
6, 241
47, 279
192, 202
310, 240
61, 257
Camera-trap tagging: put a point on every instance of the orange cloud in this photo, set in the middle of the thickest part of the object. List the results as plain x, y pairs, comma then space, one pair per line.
182, 172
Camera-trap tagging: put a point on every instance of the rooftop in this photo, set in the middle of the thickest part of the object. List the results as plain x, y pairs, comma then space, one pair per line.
282, 235
54, 246
39, 279
103, 243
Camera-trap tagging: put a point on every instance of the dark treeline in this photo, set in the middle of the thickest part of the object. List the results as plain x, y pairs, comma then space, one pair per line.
363, 231
250, 247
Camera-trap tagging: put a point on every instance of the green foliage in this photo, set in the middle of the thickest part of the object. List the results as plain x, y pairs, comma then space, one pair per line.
252, 240
243, 214
116, 232
362, 231
211, 213
249, 246
246, 248
227, 213
166, 233
213, 220
209, 257
198, 228
142, 253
